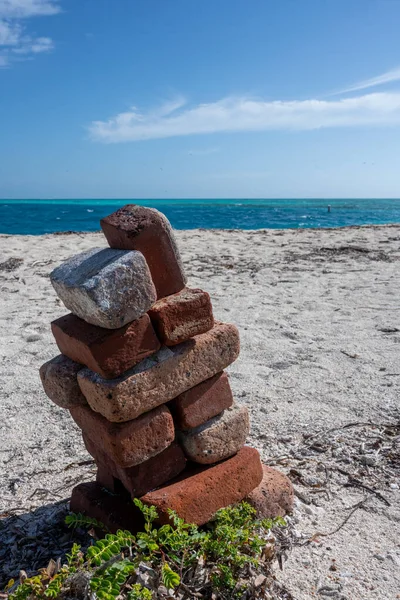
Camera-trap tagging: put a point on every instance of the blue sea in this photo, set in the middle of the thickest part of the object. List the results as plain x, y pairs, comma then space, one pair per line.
36, 217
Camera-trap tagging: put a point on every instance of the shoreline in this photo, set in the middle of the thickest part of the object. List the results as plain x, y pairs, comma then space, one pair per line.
212, 229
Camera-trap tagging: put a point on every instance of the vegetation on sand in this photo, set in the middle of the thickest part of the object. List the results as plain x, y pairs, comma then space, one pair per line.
229, 558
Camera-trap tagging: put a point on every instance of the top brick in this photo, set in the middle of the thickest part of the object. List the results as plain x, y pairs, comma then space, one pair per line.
105, 287
135, 227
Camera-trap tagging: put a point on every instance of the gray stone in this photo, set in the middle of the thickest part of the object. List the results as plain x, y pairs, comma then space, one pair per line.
105, 287
370, 461
59, 379
219, 438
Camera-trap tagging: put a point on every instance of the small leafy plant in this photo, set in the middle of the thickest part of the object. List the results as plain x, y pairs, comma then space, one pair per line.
220, 560
51, 580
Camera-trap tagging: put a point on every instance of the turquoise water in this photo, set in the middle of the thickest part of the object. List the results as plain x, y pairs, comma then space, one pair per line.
46, 216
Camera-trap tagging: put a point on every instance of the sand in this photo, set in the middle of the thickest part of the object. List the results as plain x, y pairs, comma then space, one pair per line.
319, 317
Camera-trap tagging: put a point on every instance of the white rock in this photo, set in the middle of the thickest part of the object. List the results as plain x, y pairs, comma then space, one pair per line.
105, 287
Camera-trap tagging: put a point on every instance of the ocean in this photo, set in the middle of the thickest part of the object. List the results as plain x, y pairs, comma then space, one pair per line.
36, 217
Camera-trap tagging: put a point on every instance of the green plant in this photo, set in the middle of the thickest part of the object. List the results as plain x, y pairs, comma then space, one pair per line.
78, 520
138, 592
108, 582
170, 579
174, 554
235, 540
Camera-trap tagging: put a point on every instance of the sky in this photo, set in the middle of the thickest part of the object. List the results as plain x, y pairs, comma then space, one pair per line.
199, 99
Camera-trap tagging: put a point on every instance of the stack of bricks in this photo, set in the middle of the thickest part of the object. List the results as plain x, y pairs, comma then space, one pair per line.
141, 371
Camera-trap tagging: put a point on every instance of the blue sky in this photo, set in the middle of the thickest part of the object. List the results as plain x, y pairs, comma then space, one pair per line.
199, 98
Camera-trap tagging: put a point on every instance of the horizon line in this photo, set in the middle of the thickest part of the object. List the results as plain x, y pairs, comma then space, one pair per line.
206, 199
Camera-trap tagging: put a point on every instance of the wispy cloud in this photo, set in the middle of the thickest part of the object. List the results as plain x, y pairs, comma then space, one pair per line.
15, 43
388, 77
19, 9
245, 114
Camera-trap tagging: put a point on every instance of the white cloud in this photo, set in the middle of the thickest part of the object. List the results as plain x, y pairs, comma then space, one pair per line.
9, 34
14, 41
245, 114
35, 46
20, 9
388, 77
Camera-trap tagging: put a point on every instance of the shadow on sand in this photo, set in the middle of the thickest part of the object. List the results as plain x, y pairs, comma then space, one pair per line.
29, 540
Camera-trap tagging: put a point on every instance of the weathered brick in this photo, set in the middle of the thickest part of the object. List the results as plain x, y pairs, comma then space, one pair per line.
163, 377
105, 287
142, 478
181, 316
202, 402
219, 438
274, 496
130, 443
59, 379
115, 511
135, 227
109, 352
197, 495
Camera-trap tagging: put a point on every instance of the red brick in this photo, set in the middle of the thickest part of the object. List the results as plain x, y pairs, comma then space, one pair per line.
162, 377
274, 496
142, 478
179, 317
198, 494
202, 402
130, 443
135, 227
59, 380
115, 511
108, 352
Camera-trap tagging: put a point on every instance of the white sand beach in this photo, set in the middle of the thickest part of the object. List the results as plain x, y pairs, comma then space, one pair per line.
319, 317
